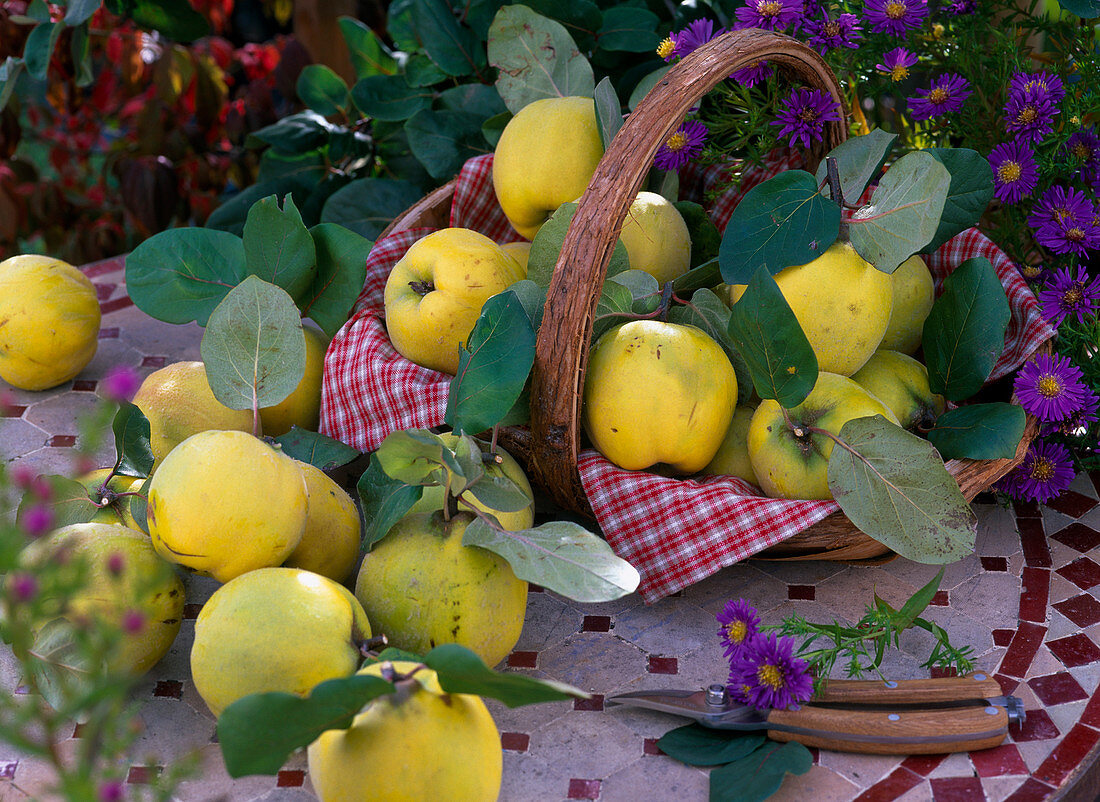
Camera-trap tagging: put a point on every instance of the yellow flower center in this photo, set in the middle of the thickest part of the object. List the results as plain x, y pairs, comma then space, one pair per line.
1075, 234
1049, 386
736, 631
677, 142
937, 31
938, 95
896, 10
1042, 469
1073, 295
769, 8
1032, 271
832, 28
808, 115
1081, 151
770, 675
664, 50
1027, 115
899, 73
1009, 172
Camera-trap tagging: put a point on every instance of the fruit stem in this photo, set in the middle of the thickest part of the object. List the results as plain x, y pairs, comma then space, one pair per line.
833, 173
371, 645
666, 301
422, 287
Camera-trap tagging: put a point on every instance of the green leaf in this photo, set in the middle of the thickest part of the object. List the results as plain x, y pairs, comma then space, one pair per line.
455, 49
629, 29
858, 160
536, 58
64, 670
384, 501
916, 604
582, 18
80, 11
964, 332
499, 493
69, 502
278, 247
617, 299
253, 347
979, 431
368, 55
478, 99
258, 732
316, 449
1085, 9
706, 239
341, 271
298, 133
368, 205
9, 75
172, 19
493, 366
644, 85
421, 71
461, 671
491, 129
301, 182
969, 193
82, 56
39, 48
443, 140
609, 112
547, 243
389, 97
758, 775
533, 299
322, 90
904, 211
181, 274
561, 556
707, 312
131, 430
766, 333
782, 222
898, 491
696, 745
416, 457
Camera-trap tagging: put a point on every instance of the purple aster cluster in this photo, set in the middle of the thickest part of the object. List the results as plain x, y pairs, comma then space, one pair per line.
695, 35
1045, 472
771, 15
685, 143
1029, 112
804, 113
764, 671
895, 17
960, 8
1015, 173
896, 63
1064, 220
1084, 148
826, 34
1070, 293
756, 73
1050, 388
946, 95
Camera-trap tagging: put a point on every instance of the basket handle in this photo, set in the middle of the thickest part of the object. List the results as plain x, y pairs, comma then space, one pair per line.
561, 354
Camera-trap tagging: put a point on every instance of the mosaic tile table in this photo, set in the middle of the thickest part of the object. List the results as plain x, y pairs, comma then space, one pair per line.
1028, 601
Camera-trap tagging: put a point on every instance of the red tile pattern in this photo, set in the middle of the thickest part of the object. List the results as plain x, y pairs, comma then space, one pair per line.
801, 592
940, 599
1057, 689
1033, 599
649, 747
596, 623
515, 741
1075, 650
662, 665
1033, 539
1083, 610
994, 563
523, 659
1078, 537
999, 761
168, 688
957, 789
1067, 755
1031, 791
1039, 726
142, 775
594, 702
584, 789
1072, 503
290, 778
1082, 572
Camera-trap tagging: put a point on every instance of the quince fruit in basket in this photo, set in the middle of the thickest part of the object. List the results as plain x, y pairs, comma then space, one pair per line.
658, 392
901, 382
435, 292
49, 322
656, 237
545, 157
914, 292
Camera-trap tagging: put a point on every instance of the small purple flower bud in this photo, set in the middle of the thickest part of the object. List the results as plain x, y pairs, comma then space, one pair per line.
37, 521
23, 587
110, 791
116, 563
22, 477
133, 621
120, 384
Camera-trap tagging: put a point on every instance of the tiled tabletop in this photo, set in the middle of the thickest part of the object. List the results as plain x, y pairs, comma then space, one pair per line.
1028, 602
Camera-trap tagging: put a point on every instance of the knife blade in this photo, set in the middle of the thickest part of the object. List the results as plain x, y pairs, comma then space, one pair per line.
865, 722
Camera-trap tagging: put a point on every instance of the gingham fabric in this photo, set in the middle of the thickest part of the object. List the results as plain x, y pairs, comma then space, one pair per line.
674, 531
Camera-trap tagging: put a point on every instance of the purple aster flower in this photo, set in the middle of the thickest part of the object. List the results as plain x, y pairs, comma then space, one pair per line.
1015, 172
1047, 83
946, 95
896, 63
695, 35
120, 384
23, 586
1077, 424
1029, 115
1050, 387
804, 114
684, 145
756, 73
1046, 471
1067, 294
771, 15
1064, 221
830, 34
895, 17
1084, 148
739, 621
768, 675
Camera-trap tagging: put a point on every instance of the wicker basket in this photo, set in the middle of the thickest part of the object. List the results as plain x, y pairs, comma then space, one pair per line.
551, 445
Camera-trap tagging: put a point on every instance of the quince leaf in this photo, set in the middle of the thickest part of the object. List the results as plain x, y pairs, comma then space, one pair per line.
609, 113
769, 339
461, 671
253, 347
904, 211
628, 28
535, 58
493, 366
367, 205
499, 493
69, 502
858, 160
979, 431
782, 222
384, 500
893, 485
278, 247
546, 246
696, 745
368, 55
341, 271
969, 193
316, 449
759, 774
1085, 9
64, 671
561, 556
416, 457
322, 90
131, 430
258, 732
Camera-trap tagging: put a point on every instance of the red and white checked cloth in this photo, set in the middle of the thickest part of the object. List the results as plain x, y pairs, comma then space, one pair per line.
674, 531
